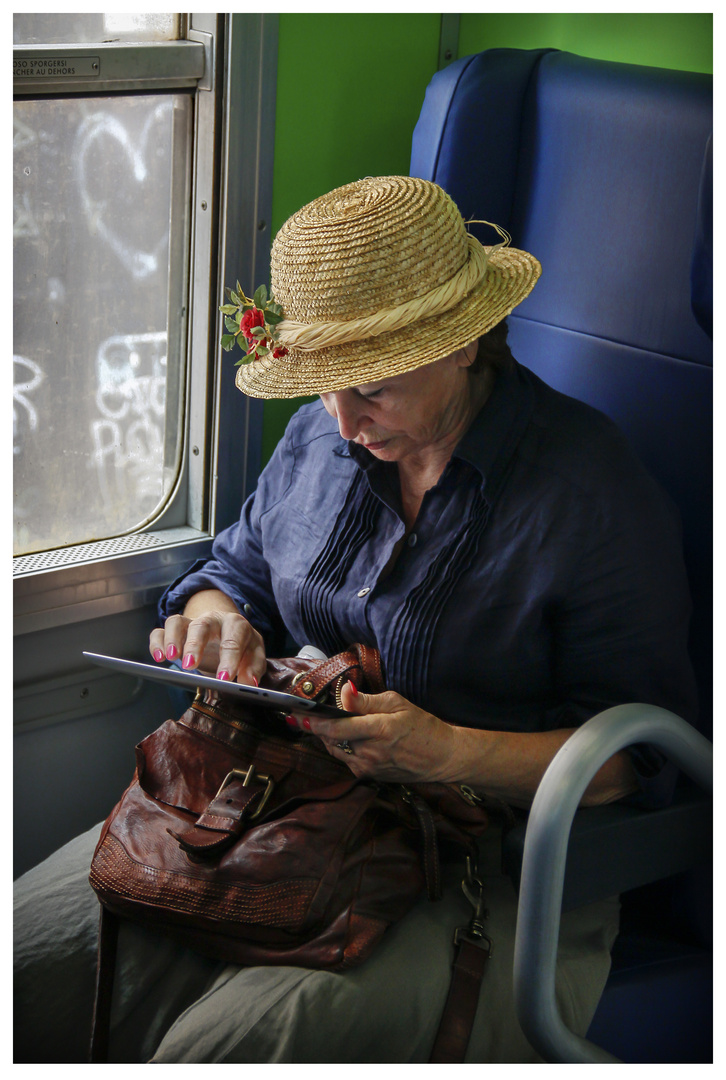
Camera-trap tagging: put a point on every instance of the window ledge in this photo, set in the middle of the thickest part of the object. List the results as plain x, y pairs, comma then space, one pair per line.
90, 580
107, 66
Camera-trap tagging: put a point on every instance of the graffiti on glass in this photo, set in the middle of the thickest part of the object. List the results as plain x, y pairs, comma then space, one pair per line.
128, 436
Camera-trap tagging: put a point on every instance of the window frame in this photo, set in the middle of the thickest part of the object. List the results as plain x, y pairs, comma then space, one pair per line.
230, 63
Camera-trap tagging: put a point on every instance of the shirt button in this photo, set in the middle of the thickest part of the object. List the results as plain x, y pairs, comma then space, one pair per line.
364, 592
412, 540
247, 609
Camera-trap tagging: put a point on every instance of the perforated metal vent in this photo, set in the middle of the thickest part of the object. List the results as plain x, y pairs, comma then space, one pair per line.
102, 549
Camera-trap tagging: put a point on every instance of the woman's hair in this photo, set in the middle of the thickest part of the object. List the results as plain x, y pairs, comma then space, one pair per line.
493, 349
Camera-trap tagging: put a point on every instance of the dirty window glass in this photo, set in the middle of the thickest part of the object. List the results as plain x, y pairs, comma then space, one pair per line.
64, 29
99, 223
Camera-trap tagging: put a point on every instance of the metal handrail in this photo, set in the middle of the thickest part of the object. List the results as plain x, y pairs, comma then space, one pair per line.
545, 855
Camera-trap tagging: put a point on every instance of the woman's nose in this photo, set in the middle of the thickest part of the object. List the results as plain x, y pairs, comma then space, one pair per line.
350, 416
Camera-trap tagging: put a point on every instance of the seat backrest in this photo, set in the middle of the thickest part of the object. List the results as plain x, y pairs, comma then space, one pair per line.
603, 171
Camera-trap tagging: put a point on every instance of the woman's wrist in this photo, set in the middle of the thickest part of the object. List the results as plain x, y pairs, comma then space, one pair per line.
208, 600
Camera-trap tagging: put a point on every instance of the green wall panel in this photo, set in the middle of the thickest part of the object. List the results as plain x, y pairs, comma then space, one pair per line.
681, 41
349, 91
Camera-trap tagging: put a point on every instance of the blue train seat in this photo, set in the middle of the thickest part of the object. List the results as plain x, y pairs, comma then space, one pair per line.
604, 172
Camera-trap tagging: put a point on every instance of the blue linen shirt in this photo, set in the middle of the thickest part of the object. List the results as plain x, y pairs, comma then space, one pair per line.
543, 580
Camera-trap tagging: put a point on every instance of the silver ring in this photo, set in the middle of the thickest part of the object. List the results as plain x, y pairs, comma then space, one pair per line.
345, 747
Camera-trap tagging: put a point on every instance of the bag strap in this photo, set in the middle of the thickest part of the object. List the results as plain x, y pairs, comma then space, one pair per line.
473, 949
370, 662
457, 1019
106, 965
429, 842
360, 662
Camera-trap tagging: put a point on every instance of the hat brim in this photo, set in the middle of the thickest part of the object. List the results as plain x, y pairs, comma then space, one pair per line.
510, 277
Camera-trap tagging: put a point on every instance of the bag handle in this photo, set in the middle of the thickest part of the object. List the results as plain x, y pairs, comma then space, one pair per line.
360, 663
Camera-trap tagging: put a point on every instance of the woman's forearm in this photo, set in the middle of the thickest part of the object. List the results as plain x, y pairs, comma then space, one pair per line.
510, 765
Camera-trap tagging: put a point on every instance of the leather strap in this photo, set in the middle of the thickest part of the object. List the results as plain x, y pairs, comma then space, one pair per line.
430, 847
360, 663
105, 968
459, 1012
370, 662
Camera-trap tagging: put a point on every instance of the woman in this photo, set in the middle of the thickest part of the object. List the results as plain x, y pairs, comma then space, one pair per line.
490, 537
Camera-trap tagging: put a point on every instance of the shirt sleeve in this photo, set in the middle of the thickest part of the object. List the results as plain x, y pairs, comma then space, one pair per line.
237, 565
622, 629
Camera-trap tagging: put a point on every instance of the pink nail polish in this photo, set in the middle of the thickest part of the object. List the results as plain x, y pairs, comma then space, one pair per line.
171, 652
224, 676
291, 721
255, 680
353, 688
306, 723
188, 661
158, 655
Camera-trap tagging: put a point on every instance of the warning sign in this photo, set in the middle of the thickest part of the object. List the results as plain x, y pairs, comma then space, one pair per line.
56, 67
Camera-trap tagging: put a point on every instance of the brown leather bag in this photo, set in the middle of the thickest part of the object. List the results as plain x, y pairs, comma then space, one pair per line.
249, 842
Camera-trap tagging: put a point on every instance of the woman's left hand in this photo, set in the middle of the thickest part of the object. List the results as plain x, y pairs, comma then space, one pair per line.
390, 738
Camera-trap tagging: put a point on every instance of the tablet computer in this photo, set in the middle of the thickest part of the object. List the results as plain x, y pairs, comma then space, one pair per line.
256, 696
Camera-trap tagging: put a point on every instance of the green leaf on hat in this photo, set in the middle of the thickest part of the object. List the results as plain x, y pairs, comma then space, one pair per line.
231, 325
227, 342
260, 297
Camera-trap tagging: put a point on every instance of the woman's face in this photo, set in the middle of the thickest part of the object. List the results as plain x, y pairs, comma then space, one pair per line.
410, 414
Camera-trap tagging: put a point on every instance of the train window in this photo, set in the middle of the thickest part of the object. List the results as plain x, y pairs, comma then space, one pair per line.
133, 202
101, 203
101, 234
116, 198
30, 28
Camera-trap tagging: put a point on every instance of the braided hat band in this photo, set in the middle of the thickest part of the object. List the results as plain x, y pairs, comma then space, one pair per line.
377, 278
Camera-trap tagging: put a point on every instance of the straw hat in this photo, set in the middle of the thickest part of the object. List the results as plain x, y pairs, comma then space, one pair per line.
377, 278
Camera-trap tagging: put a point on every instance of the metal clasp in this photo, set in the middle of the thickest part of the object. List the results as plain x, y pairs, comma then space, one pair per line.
470, 795
247, 776
473, 890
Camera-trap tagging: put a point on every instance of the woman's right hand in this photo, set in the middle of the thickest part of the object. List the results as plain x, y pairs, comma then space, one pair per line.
212, 637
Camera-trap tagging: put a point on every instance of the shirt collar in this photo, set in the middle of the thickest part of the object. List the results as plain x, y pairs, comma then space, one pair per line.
494, 434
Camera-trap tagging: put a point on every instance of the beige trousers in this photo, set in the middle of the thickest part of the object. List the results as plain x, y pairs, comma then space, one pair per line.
172, 1006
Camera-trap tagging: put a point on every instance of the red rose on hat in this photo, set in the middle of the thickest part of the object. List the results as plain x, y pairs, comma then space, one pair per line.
252, 318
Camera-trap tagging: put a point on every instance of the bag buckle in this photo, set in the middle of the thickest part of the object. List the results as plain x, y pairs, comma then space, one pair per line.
473, 890
247, 776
